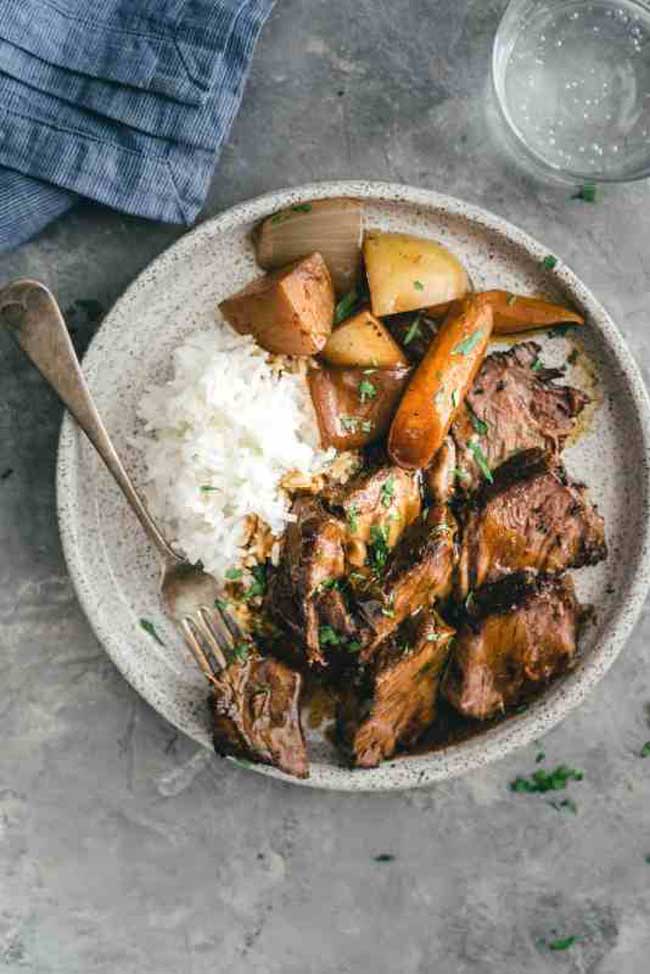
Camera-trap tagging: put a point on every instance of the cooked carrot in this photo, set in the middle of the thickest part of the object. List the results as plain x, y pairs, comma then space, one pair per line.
440, 383
514, 313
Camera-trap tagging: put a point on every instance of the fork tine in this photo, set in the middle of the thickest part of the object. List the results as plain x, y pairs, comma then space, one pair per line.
194, 645
234, 633
207, 619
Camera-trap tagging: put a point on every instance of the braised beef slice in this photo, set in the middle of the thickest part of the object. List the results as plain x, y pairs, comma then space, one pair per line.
385, 500
513, 406
502, 657
532, 517
313, 556
418, 572
398, 700
254, 705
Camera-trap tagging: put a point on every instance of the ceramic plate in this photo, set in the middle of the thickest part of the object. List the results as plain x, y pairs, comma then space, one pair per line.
116, 573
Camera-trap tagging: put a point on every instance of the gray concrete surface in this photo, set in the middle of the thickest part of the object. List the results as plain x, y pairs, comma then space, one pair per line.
122, 851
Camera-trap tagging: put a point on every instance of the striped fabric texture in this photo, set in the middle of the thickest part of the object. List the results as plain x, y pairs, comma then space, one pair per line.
126, 102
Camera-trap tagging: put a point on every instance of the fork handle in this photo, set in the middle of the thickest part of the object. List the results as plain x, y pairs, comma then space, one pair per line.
34, 319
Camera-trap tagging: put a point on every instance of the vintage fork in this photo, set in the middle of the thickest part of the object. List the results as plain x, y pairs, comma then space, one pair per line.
191, 597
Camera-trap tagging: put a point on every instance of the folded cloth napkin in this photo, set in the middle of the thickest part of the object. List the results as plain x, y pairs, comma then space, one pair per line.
139, 134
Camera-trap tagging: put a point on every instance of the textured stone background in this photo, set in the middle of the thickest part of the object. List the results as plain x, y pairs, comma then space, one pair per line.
124, 851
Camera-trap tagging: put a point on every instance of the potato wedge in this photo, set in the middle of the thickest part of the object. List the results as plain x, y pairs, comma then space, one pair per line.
440, 384
514, 313
333, 227
363, 341
289, 311
354, 407
406, 273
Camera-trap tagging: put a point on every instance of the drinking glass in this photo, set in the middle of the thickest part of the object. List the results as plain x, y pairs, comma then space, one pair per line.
572, 81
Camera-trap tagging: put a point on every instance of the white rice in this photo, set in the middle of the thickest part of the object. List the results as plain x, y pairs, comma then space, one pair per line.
228, 422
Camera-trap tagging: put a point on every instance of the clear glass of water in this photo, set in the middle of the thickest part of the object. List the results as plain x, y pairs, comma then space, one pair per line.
572, 80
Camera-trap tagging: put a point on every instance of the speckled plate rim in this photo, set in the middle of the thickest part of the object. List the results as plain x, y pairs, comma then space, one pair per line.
561, 698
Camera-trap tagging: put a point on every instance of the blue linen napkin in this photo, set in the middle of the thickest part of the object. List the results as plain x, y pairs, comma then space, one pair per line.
145, 147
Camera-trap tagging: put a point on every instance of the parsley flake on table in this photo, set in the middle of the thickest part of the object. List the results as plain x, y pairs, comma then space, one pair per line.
542, 781
562, 943
588, 193
418, 285
549, 262
645, 750
384, 857
151, 630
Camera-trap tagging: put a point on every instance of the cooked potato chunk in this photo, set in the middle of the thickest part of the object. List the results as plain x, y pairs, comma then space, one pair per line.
406, 273
289, 311
364, 342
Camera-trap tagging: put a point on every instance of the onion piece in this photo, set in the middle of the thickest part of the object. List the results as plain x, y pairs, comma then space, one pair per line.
332, 227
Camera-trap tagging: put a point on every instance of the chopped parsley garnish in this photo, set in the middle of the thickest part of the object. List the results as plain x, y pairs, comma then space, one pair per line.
285, 214
549, 262
353, 518
261, 690
240, 651
566, 803
387, 492
559, 331
428, 667
479, 424
647, 858
6, 474
645, 750
353, 646
454, 398
257, 588
366, 390
461, 474
481, 460
388, 610
345, 306
329, 583
511, 299
537, 364
234, 574
378, 549
418, 285
467, 344
328, 636
413, 330
540, 756
207, 489
151, 630
562, 943
352, 424
433, 637
588, 193
541, 780
384, 857
469, 601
